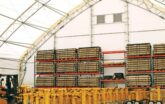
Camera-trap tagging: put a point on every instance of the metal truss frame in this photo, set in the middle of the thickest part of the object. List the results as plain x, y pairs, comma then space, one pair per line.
52, 32
149, 6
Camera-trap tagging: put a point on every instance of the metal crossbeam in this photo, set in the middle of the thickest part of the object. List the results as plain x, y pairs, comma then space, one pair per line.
41, 28
60, 12
52, 31
10, 59
19, 17
149, 6
25, 45
7, 68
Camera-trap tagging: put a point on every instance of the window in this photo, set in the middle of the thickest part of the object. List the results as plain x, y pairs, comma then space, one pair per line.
117, 17
100, 19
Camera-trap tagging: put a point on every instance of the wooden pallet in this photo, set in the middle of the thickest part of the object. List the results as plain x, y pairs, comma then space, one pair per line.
66, 67
45, 81
91, 81
89, 52
66, 53
138, 49
65, 81
140, 80
89, 66
45, 55
138, 64
159, 79
45, 67
159, 63
159, 48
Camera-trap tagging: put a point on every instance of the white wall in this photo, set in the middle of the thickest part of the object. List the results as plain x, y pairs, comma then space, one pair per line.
110, 36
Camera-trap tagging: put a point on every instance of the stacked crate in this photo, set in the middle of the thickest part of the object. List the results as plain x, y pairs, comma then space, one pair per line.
89, 52
89, 61
159, 79
70, 53
66, 67
138, 64
159, 63
45, 67
45, 55
140, 80
68, 64
88, 82
66, 81
137, 61
45, 81
89, 66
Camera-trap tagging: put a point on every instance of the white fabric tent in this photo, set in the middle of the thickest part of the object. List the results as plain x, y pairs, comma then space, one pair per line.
24, 21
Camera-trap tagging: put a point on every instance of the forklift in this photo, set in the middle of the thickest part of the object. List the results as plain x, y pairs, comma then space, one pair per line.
8, 88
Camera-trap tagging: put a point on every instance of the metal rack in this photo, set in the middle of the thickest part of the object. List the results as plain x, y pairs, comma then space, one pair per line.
111, 65
75, 73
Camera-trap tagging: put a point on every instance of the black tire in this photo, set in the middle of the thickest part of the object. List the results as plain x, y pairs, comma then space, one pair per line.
128, 102
159, 102
150, 102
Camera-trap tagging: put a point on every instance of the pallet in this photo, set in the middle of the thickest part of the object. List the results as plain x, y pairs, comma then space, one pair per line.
89, 52
89, 66
66, 67
138, 64
139, 80
70, 53
159, 48
139, 49
45, 67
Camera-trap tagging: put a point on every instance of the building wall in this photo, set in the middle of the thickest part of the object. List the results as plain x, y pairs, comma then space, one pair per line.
109, 36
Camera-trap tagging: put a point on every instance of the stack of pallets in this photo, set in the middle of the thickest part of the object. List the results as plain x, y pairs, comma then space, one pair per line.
139, 80
88, 81
45, 67
89, 52
159, 79
66, 53
66, 67
65, 81
46, 81
159, 63
159, 49
138, 49
137, 61
135, 50
45, 55
89, 66
138, 64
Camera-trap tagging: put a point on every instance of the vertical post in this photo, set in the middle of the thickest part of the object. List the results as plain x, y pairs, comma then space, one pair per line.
34, 71
25, 98
47, 97
91, 23
127, 22
158, 94
95, 97
83, 96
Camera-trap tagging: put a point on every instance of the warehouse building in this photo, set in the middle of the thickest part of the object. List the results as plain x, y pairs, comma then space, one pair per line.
86, 47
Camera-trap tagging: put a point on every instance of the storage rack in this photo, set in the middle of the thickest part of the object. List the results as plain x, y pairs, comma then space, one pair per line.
112, 65
75, 73
139, 55
159, 66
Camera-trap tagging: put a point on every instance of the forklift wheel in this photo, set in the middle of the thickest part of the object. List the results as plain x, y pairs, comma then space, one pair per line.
159, 102
151, 102
129, 102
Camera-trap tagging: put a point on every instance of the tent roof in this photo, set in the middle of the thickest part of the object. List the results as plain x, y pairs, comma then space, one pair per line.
23, 21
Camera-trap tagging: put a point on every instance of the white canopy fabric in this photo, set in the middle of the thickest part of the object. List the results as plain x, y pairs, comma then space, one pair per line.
23, 21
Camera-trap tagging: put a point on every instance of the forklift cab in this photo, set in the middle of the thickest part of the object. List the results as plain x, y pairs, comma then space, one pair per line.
8, 87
